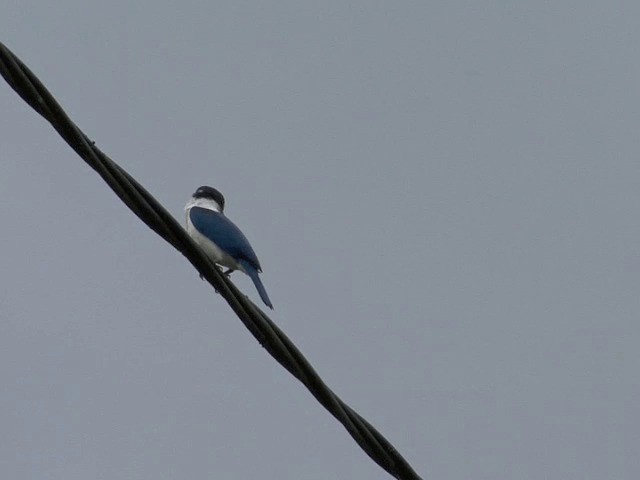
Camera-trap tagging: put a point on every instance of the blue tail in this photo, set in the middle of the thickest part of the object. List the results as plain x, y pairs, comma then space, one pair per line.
253, 273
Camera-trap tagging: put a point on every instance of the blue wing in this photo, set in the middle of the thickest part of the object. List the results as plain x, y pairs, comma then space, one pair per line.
223, 232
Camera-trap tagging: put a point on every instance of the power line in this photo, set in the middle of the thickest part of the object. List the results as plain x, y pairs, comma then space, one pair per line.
142, 203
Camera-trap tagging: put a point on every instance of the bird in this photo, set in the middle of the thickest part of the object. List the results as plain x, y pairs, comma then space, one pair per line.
222, 241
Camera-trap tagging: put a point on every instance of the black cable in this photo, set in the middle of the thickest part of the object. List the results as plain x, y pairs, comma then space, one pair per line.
27, 85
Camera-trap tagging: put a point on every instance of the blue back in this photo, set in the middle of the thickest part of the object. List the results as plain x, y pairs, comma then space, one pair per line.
223, 232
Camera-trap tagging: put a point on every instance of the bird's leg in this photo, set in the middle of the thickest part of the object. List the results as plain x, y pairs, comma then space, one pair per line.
227, 273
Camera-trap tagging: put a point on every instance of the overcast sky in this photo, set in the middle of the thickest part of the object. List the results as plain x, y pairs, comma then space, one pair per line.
444, 199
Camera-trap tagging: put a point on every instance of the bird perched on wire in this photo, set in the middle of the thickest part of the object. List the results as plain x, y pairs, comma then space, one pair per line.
219, 237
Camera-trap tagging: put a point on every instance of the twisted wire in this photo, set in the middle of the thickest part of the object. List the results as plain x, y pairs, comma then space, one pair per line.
156, 217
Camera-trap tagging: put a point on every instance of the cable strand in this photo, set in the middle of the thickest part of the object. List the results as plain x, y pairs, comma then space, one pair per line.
156, 217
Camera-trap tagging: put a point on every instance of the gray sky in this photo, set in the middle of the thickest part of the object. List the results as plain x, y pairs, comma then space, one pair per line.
444, 198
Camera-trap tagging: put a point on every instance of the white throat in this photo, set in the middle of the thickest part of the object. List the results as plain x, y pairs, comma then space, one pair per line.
207, 203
